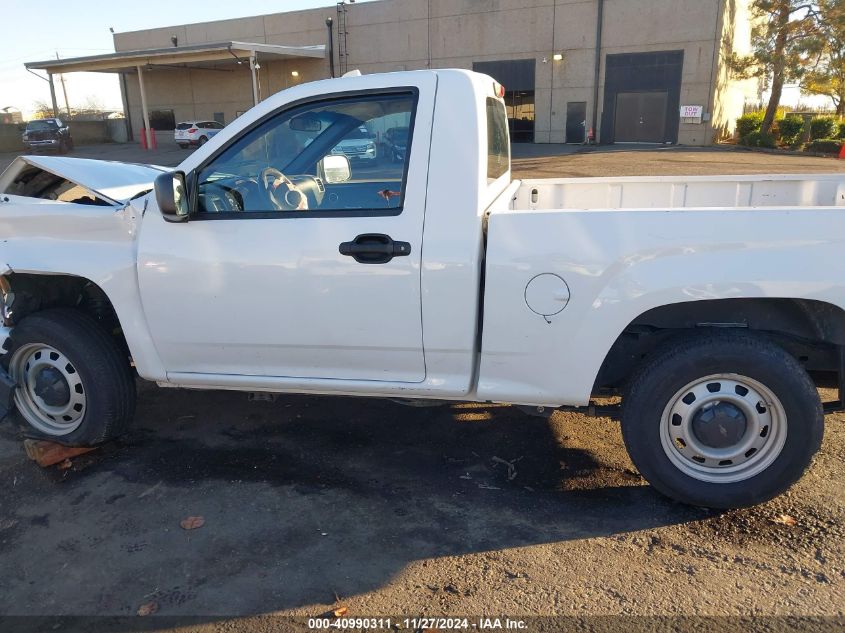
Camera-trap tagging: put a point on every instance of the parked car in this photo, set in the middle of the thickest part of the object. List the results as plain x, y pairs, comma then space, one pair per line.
712, 307
195, 132
395, 143
48, 134
359, 144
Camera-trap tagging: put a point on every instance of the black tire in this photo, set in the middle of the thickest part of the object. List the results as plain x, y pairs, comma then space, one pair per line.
203, 140
670, 369
63, 148
102, 367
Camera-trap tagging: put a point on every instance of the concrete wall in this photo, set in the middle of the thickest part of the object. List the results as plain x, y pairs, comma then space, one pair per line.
89, 132
390, 35
199, 93
10, 138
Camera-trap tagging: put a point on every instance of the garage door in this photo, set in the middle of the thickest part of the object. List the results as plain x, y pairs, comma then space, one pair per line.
642, 97
641, 117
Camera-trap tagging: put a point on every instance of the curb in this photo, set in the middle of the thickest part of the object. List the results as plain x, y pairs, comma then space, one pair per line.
787, 152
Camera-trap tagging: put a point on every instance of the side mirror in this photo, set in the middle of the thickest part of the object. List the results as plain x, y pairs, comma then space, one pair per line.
172, 196
336, 168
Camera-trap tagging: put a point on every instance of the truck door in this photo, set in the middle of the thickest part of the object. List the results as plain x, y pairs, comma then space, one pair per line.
302, 254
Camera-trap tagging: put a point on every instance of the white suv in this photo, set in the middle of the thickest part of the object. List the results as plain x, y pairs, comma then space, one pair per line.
359, 144
195, 132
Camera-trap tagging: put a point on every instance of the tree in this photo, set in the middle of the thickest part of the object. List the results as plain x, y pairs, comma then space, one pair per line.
92, 103
783, 32
827, 77
41, 110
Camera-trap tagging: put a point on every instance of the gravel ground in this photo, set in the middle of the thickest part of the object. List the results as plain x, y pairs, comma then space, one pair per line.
540, 161
312, 503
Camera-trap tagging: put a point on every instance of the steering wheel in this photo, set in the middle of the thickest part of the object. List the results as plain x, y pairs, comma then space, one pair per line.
283, 194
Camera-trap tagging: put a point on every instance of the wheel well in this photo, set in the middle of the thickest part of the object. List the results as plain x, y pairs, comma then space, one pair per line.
811, 331
25, 293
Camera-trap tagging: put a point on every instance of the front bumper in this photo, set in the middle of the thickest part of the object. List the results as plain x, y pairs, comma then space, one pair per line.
7, 385
5, 338
7, 394
52, 142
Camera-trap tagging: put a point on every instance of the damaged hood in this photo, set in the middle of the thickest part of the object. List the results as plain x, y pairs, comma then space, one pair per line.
110, 180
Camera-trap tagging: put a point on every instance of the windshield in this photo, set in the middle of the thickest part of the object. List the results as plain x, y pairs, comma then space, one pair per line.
48, 124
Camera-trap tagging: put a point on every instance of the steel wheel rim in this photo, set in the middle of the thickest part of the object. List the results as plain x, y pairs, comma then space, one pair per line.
756, 450
24, 367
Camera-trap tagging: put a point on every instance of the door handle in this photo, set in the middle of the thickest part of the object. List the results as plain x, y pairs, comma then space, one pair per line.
374, 248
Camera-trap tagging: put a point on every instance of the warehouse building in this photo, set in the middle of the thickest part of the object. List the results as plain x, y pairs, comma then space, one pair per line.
636, 71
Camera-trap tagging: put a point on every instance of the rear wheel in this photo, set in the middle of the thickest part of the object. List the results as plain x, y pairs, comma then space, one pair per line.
74, 385
203, 140
722, 420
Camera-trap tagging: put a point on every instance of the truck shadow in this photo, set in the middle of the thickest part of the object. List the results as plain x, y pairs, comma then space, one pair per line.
305, 500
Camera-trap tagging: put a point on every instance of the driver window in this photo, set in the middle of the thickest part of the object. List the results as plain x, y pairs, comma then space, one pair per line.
335, 155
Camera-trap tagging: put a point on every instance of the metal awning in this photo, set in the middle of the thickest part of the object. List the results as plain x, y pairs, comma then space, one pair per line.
210, 55
194, 55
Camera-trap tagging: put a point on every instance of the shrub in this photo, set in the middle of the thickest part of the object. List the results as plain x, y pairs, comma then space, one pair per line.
791, 128
824, 127
825, 146
842, 130
758, 139
748, 123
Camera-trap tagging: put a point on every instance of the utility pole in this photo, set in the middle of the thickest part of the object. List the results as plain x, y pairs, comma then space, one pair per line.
53, 95
64, 89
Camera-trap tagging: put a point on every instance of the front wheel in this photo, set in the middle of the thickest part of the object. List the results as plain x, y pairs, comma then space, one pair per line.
74, 385
722, 420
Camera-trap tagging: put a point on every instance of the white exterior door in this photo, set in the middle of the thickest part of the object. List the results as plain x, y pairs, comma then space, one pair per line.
255, 283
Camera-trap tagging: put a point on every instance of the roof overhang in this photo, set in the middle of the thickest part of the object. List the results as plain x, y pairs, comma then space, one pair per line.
195, 55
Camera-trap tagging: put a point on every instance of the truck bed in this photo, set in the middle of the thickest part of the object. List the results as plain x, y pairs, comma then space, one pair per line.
676, 192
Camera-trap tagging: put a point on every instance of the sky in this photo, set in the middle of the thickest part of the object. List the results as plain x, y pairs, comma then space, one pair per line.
81, 28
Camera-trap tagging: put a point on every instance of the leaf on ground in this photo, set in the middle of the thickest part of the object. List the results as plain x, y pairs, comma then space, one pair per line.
785, 519
148, 609
192, 523
340, 612
65, 464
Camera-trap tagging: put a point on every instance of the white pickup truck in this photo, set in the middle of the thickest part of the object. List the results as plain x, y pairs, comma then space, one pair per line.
713, 306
